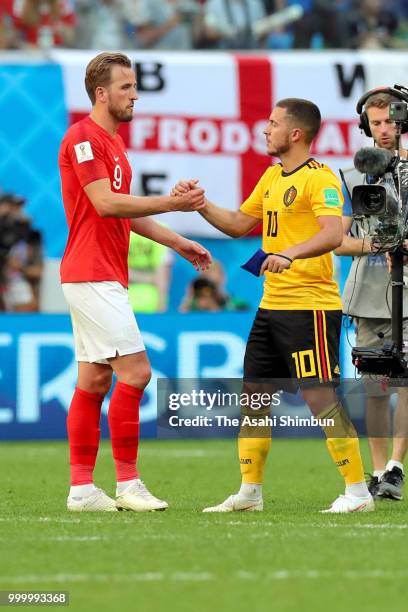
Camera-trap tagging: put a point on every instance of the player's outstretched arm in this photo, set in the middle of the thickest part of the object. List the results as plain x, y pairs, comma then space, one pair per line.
110, 204
234, 223
194, 252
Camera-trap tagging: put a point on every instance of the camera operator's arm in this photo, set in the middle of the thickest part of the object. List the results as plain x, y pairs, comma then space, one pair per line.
350, 245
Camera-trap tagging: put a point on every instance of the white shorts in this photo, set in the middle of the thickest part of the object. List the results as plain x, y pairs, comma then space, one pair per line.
103, 322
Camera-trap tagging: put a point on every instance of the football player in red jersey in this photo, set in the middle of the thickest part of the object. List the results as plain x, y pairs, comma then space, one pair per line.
96, 177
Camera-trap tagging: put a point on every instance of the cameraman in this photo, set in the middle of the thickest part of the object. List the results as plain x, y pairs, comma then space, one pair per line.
367, 298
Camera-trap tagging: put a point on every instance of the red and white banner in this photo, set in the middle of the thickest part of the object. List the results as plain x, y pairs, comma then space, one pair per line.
202, 115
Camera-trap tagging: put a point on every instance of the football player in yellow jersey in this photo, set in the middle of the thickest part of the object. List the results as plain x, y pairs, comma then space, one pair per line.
296, 330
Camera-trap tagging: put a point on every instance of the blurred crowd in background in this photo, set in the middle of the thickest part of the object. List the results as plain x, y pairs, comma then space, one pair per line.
204, 24
21, 257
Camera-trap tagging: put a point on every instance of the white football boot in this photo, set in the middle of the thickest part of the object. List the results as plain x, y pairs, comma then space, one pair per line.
97, 501
138, 498
350, 503
237, 503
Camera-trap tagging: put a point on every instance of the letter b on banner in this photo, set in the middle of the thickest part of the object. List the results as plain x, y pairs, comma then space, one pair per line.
149, 76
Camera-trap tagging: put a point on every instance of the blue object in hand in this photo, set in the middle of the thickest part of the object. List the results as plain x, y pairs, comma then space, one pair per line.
254, 264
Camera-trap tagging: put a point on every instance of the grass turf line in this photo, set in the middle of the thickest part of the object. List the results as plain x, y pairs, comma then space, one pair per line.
286, 557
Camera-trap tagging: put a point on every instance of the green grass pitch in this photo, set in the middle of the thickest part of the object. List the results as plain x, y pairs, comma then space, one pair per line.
287, 558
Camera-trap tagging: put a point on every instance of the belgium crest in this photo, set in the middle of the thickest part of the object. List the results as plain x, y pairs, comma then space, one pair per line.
290, 196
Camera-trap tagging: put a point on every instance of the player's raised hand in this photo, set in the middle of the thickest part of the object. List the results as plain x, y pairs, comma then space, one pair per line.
275, 263
183, 186
194, 253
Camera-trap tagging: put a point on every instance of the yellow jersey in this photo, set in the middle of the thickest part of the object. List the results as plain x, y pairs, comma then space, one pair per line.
289, 204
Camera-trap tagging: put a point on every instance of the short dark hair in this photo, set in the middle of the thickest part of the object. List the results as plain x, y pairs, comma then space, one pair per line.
303, 114
98, 71
379, 100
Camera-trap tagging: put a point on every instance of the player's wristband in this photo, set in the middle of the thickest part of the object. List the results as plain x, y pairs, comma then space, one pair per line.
284, 257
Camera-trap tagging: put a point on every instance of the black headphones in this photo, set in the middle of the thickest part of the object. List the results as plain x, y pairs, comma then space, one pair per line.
398, 91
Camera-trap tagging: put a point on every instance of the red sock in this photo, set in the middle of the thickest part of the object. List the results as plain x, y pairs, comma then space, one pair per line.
83, 435
123, 418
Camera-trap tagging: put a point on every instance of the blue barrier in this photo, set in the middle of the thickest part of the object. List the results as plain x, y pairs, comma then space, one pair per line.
38, 368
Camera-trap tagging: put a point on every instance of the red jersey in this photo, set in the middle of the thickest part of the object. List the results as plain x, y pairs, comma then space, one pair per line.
97, 247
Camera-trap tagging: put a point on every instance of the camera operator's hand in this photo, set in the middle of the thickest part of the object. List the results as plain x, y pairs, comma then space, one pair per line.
374, 247
389, 262
405, 258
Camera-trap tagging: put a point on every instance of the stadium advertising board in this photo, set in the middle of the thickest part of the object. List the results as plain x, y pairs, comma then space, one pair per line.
38, 368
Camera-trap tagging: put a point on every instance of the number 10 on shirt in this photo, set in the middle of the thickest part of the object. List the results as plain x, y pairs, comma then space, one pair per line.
272, 229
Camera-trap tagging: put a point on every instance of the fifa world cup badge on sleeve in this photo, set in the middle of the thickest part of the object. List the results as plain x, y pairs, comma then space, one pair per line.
331, 197
83, 152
